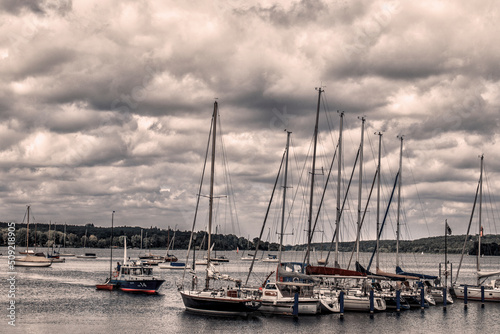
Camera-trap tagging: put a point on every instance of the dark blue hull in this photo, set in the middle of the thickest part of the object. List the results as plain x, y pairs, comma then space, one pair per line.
218, 305
149, 286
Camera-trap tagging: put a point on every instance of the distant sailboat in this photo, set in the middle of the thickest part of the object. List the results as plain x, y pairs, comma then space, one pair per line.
64, 246
31, 260
86, 255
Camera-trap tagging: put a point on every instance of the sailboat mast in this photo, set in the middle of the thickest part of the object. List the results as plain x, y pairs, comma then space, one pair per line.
360, 186
480, 227
211, 198
284, 196
339, 179
399, 199
309, 229
111, 247
28, 231
446, 253
378, 199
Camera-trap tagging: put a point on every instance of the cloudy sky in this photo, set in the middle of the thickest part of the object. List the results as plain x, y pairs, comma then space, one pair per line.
106, 105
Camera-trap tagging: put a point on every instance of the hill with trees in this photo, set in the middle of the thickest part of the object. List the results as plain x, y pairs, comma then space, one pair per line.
153, 237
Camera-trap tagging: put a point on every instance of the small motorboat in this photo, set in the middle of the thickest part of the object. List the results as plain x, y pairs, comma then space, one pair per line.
87, 256
132, 277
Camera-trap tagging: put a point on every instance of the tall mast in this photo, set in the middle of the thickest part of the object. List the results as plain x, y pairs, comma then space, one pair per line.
28, 231
399, 199
480, 227
284, 195
378, 197
360, 186
211, 198
339, 179
111, 247
446, 253
309, 238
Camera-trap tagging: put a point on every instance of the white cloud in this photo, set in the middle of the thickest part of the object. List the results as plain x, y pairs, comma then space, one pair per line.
106, 105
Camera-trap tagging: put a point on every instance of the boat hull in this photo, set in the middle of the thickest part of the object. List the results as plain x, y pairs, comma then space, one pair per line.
321, 270
362, 304
474, 293
108, 287
32, 264
172, 265
214, 304
285, 307
150, 286
32, 261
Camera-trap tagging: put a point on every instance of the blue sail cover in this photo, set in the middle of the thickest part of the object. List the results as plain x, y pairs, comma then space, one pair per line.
400, 271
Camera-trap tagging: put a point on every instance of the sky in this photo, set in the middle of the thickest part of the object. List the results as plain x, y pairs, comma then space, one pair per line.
106, 105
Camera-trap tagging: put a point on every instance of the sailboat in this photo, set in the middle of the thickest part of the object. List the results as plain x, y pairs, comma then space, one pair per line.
53, 255
86, 255
31, 260
356, 298
323, 269
481, 291
171, 260
270, 257
249, 256
64, 246
223, 301
292, 293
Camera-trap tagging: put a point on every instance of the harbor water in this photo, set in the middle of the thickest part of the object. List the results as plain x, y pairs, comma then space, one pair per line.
63, 299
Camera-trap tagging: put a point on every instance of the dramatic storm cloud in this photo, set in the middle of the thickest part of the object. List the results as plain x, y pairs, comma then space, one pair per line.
106, 105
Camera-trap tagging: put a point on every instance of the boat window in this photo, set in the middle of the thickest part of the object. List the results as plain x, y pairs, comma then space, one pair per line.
271, 287
148, 271
126, 271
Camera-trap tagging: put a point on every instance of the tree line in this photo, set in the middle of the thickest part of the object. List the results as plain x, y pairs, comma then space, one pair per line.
153, 237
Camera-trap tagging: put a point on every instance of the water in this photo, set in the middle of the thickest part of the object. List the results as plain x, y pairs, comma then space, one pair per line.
63, 299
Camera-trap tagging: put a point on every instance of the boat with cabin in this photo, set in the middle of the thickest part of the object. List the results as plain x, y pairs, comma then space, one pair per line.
221, 295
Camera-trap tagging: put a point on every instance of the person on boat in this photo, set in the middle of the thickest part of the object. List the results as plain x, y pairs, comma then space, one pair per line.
118, 266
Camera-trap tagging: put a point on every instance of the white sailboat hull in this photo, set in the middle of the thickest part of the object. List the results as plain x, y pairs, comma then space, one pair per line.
474, 293
32, 261
285, 306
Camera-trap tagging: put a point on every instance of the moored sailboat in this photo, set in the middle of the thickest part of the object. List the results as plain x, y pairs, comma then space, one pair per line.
31, 260
210, 300
481, 291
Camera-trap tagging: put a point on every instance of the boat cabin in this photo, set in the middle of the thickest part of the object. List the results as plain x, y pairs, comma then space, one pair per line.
135, 270
288, 289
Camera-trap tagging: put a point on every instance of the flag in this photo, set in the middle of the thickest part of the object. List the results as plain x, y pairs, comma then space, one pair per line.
448, 229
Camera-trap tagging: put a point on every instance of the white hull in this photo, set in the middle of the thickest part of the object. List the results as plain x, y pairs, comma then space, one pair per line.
168, 266
362, 304
437, 294
285, 307
33, 264
474, 293
270, 260
32, 261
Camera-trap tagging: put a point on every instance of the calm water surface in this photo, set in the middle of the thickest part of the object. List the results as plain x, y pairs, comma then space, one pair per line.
63, 299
